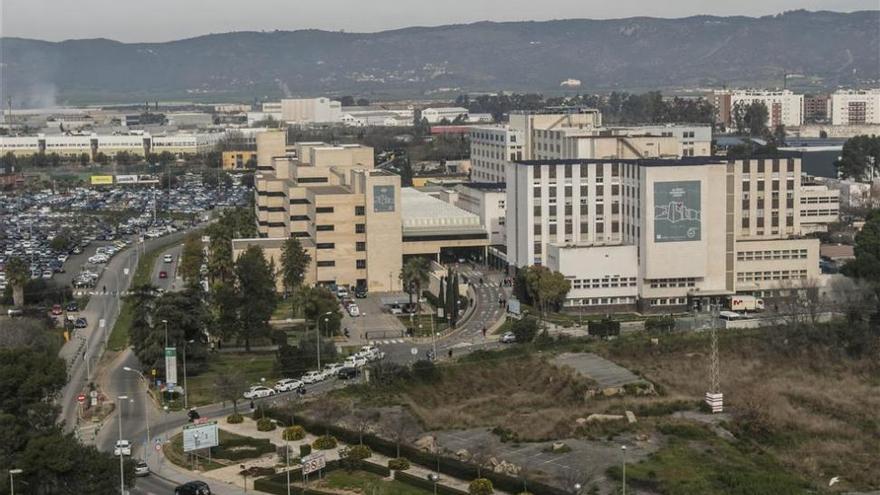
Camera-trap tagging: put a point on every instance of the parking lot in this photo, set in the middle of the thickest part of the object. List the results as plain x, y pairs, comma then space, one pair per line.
375, 323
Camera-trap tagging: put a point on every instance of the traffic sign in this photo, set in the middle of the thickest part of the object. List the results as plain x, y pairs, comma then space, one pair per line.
158, 447
81, 398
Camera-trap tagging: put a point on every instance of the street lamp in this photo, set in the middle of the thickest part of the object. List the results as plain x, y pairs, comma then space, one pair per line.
146, 407
166, 332
244, 474
318, 332
185, 389
623, 450
12, 473
120, 400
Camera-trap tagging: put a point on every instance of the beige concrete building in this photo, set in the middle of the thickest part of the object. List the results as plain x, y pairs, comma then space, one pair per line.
353, 219
661, 233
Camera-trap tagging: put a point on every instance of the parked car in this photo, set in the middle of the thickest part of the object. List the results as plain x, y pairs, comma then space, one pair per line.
341, 292
193, 488
13, 312
355, 362
72, 306
123, 447
56, 309
360, 292
163, 274
354, 311
287, 384
141, 469
81, 322
508, 338
259, 392
347, 373
312, 377
395, 309
332, 369
168, 259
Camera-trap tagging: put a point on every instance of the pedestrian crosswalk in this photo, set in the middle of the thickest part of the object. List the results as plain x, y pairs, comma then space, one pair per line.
386, 341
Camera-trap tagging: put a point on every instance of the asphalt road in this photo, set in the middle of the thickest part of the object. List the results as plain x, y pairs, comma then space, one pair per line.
173, 280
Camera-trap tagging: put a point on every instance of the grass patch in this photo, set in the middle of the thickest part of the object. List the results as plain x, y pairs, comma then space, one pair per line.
367, 483
173, 451
424, 320
696, 461
252, 366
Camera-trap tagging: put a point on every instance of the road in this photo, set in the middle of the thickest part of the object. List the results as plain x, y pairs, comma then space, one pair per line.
89, 342
173, 281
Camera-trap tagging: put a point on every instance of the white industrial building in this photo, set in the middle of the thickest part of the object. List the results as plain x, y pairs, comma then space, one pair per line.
439, 114
784, 107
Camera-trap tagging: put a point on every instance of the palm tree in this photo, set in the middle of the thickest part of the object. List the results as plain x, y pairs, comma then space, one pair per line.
414, 276
17, 272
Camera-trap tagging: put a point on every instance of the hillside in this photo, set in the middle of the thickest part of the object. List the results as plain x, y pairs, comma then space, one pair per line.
826, 48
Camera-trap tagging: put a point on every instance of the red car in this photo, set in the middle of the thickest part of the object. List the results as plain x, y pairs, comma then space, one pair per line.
56, 309
163, 274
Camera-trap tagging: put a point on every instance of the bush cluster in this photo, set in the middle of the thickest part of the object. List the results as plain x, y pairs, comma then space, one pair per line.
305, 449
293, 433
234, 418
399, 464
265, 424
481, 486
324, 442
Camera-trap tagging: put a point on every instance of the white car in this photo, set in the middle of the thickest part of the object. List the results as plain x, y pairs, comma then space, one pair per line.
332, 369
395, 309
287, 384
508, 338
123, 447
312, 377
259, 392
355, 362
341, 292
354, 311
167, 258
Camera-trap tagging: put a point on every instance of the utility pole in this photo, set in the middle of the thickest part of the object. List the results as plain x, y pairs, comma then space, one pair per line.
714, 397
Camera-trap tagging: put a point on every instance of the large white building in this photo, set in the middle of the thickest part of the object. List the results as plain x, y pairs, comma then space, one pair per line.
436, 115
784, 107
659, 233
310, 111
853, 107
135, 143
492, 147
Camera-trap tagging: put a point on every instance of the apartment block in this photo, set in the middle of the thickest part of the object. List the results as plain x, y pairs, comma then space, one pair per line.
855, 107
662, 233
492, 147
817, 108
783, 106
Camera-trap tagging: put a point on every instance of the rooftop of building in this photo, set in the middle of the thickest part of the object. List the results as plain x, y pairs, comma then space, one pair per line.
321, 190
486, 186
421, 210
645, 162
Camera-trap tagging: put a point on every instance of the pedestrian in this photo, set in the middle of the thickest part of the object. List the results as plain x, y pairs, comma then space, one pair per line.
450, 353
252, 405
484, 332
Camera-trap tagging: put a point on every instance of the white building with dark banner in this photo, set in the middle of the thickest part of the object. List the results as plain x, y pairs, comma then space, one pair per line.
661, 233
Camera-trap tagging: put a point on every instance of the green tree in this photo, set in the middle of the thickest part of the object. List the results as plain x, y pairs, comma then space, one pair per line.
866, 266
229, 387
102, 158
755, 118
415, 275
317, 302
84, 159
545, 287
860, 158
220, 263
525, 330
192, 258
296, 360
294, 263
257, 296
17, 274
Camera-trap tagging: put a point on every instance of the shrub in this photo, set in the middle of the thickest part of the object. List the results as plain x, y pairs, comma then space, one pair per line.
265, 424
660, 324
424, 370
605, 327
524, 330
351, 458
305, 449
324, 442
258, 413
293, 433
235, 418
399, 464
480, 486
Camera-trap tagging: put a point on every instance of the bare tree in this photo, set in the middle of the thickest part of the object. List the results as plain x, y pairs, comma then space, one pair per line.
480, 455
363, 420
229, 387
400, 427
330, 411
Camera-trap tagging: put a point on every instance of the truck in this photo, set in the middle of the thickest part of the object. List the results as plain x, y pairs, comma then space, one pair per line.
745, 303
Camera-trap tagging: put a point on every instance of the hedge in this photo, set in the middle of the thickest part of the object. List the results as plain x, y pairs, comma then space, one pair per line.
372, 467
449, 466
227, 450
425, 484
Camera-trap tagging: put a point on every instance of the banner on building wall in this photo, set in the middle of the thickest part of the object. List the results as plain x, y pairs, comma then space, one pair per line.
383, 199
677, 211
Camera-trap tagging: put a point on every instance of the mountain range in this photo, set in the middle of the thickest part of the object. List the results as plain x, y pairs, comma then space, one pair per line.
816, 49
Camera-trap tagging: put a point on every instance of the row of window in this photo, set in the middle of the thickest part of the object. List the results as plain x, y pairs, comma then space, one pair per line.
663, 283
761, 165
358, 264
600, 301
819, 213
776, 254
812, 200
771, 275
567, 171
668, 301
603, 283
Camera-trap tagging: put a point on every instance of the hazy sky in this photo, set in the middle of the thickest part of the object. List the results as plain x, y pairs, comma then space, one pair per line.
161, 20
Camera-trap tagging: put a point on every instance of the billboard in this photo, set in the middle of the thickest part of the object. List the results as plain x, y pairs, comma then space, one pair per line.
200, 436
383, 199
313, 462
677, 212
101, 180
171, 367
126, 179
